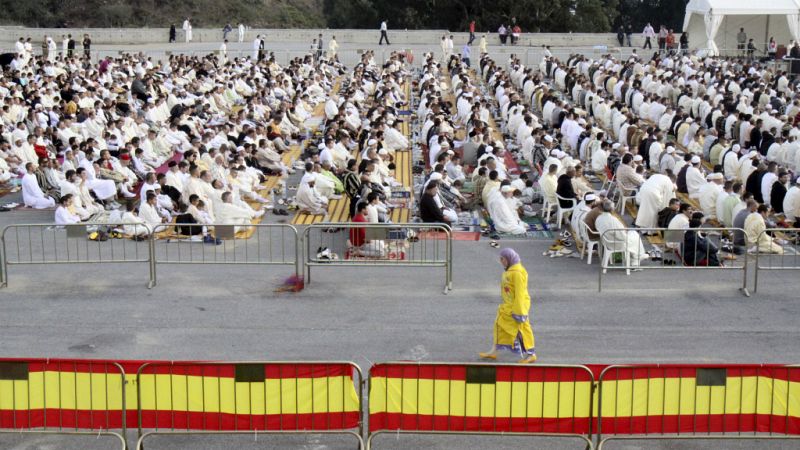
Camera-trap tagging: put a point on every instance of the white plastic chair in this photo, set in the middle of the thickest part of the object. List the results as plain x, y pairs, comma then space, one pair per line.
608, 245
562, 211
550, 201
588, 244
625, 194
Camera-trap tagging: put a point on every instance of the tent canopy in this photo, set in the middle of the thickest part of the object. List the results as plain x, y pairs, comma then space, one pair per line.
714, 24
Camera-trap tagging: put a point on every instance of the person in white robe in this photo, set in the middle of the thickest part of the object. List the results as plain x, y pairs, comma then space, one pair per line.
148, 211
64, 214
505, 218
653, 196
709, 194
616, 237
227, 213
757, 239
32, 195
308, 199
132, 224
694, 178
187, 30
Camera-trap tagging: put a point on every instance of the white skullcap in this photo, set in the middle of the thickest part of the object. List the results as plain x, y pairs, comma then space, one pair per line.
590, 197
752, 154
435, 176
616, 145
670, 150
717, 176
638, 158
450, 152
507, 188
554, 152
695, 159
736, 148
383, 151
548, 138
309, 177
372, 142
689, 120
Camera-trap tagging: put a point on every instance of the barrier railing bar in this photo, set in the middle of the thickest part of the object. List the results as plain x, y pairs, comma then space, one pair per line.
383, 261
623, 241
601, 443
793, 242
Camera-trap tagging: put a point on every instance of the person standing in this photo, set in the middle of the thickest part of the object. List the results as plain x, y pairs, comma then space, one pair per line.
621, 36
662, 38
384, 35
225, 30
223, 51
172, 33
648, 34
70, 46
256, 47
465, 55
471, 32
684, 42
772, 48
87, 46
482, 45
241, 32
333, 47
187, 29
319, 47
628, 34
741, 41
512, 326
502, 32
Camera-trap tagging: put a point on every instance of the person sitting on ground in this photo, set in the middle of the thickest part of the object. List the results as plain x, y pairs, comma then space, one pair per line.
308, 200
755, 229
697, 249
503, 213
64, 213
429, 209
358, 236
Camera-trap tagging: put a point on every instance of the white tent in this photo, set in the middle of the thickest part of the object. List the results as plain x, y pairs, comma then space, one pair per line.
714, 24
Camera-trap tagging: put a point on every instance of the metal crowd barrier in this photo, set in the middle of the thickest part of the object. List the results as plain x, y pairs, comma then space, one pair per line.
26, 244
481, 399
628, 245
776, 249
258, 398
62, 397
257, 244
676, 402
387, 245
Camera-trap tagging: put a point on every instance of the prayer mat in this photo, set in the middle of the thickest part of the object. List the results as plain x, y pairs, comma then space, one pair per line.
457, 235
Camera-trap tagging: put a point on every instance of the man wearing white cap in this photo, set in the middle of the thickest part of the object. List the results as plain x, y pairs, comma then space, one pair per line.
730, 162
308, 199
505, 218
668, 160
615, 235
709, 193
653, 196
694, 178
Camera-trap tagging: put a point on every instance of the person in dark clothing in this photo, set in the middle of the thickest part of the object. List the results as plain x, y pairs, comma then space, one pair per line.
665, 215
767, 139
778, 192
352, 185
429, 210
621, 36
170, 191
681, 180
70, 46
753, 183
564, 189
697, 249
755, 135
172, 33
87, 46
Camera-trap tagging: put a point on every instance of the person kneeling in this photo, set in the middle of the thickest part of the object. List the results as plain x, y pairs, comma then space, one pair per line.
362, 246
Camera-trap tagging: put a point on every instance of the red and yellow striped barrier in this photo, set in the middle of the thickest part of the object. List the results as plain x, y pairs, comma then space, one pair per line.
692, 400
248, 396
61, 394
480, 398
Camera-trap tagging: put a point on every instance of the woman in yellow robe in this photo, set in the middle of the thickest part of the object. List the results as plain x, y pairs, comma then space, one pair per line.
512, 326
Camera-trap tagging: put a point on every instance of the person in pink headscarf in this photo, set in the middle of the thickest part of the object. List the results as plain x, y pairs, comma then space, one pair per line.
512, 326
